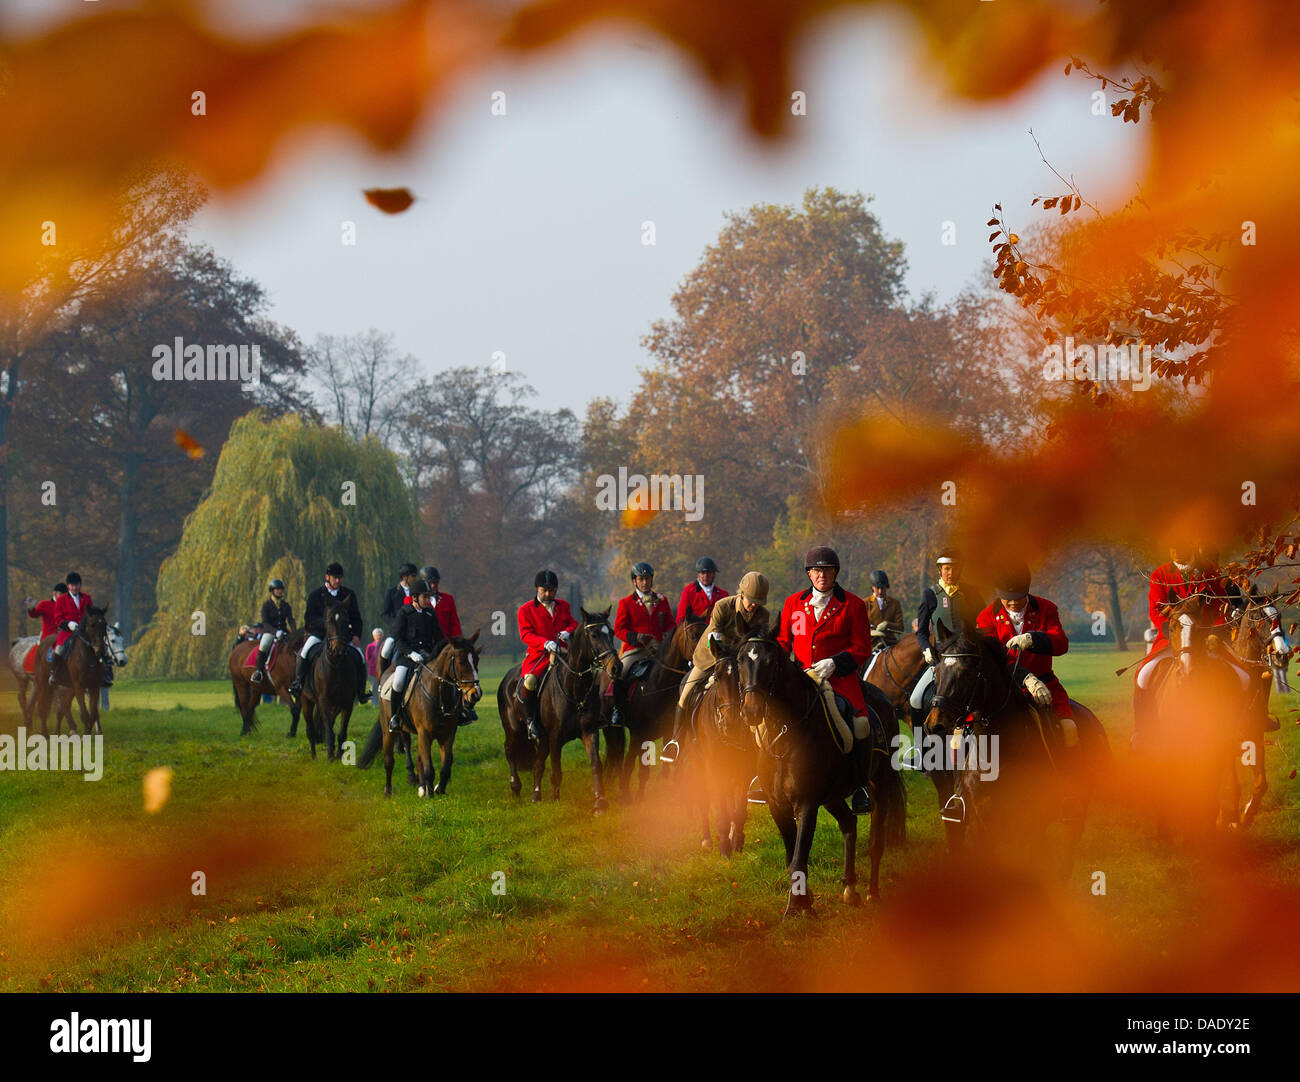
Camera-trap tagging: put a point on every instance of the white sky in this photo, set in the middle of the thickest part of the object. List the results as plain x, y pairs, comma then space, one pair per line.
527, 234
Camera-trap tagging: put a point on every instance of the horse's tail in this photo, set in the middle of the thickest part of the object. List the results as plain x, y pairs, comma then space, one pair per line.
891, 808
374, 742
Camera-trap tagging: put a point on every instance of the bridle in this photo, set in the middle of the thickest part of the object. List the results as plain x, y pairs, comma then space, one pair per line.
455, 681
766, 695
588, 674
981, 682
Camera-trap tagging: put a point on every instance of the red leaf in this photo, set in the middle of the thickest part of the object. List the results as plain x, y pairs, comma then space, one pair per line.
389, 200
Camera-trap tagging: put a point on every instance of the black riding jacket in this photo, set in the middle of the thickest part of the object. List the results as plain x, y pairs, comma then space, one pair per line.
277, 615
313, 619
417, 629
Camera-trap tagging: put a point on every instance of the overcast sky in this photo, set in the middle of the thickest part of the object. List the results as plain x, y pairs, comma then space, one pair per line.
527, 234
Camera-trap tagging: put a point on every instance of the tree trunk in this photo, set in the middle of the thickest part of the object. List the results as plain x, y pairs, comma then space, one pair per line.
126, 544
5, 409
1116, 613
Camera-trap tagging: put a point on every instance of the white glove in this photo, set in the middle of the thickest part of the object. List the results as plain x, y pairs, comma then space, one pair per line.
883, 626
1021, 642
415, 656
928, 654
824, 668
279, 634
552, 646
73, 625
563, 636
1041, 693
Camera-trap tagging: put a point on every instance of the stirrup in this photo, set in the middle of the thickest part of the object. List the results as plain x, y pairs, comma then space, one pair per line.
257, 677
953, 810
865, 800
665, 756
755, 787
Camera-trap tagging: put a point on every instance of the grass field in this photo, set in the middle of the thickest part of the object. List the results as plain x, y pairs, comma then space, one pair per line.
315, 882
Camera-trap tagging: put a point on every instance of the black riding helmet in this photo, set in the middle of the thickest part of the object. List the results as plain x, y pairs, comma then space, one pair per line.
642, 568
821, 556
546, 579
60, 588
72, 577
275, 584
705, 563
335, 568
407, 568
418, 587
880, 579
430, 574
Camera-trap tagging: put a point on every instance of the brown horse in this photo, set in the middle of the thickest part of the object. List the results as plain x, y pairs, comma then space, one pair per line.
804, 768
83, 676
1007, 770
650, 706
441, 687
278, 675
1202, 722
725, 756
331, 688
568, 708
895, 671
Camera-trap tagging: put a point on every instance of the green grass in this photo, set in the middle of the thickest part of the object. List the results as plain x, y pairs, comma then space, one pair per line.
398, 894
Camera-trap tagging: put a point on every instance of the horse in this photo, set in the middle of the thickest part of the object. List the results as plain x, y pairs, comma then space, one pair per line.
651, 702
279, 672
568, 707
895, 671
1203, 718
1006, 768
725, 758
18, 651
804, 767
433, 707
331, 688
1263, 649
83, 668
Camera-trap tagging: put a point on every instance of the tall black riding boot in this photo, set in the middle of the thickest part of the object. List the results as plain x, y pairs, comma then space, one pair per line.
299, 675
532, 711
259, 671
620, 701
860, 800
394, 710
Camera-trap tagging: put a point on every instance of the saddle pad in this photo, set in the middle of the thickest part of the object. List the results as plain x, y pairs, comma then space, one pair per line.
29, 659
386, 685
250, 662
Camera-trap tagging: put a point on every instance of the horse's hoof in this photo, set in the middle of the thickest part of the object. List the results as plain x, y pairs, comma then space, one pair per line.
440, 789
537, 796
420, 791
388, 791
706, 844
798, 909
601, 803
851, 896
871, 896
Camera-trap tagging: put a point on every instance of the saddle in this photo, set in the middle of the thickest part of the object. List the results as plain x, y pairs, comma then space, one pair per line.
632, 677
386, 685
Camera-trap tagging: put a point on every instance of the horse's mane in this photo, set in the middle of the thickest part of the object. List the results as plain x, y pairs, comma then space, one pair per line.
95, 610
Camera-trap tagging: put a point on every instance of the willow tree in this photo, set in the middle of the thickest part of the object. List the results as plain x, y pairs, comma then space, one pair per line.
288, 497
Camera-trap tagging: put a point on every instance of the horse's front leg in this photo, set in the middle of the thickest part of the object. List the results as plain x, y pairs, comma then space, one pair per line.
801, 897
389, 758
1258, 787
426, 763
557, 746
343, 729
405, 739
444, 773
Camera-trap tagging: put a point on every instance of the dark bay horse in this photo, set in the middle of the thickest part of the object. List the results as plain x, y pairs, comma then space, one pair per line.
433, 709
723, 756
278, 675
331, 688
83, 671
569, 708
1008, 772
803, 767
651, 703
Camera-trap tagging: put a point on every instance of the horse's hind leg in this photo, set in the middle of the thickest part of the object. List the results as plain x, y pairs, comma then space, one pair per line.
801, 897
591, 741
347, 718
411, 779
1258, 787
444, 773
556, 773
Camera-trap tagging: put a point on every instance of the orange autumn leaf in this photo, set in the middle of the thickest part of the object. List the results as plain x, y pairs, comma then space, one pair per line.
189, 444
389, 200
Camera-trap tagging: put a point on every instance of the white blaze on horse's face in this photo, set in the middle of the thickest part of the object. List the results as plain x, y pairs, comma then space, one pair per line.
1185, 624
753, 653
950, 661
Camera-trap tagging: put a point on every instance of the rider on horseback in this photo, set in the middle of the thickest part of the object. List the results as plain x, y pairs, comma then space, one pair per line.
827, 629
699, 597
418, 637
884, 612
444, 607
730, 622
47, 611
544, 623
394, 600
313, 622
276, 623
1030, 628
643, 618
70, 611
946, 606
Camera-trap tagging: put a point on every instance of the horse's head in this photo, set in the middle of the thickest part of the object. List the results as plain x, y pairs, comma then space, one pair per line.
464, 668
336, 628
686, 636
727, 706
94, 628
969, 673
1258, 631
1190, 620
593, 644
117, 644
760, 666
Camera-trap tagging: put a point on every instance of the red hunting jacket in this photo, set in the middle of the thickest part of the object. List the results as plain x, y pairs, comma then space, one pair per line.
695, 602
633, 618
46, 610
843, 633
1168, 584
537, 627
1043, 620
444, 608
69, 608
